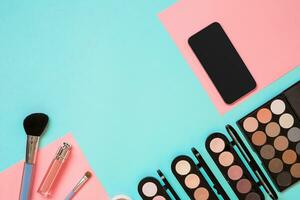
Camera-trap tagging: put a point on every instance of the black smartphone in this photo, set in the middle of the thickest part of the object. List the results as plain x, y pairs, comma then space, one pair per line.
222, 62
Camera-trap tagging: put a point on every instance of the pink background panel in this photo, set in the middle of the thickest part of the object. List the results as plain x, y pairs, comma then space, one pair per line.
265, 33
75, 167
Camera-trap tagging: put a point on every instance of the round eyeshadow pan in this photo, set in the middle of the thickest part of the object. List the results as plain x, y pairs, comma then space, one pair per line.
284, 179
275, 165
267, 152
298, 148
244, 186
294, 134
235, 172
192, 181
226, 158
217, 145
250, 124
159, 198
277, 107
264, 115
289, 156
259, 138
295, 170
183, 167
286, 120
149, 189
281, 143
201, 194
252, 196
272, 129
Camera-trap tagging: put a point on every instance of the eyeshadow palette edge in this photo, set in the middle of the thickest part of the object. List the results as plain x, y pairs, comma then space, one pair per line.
292, 93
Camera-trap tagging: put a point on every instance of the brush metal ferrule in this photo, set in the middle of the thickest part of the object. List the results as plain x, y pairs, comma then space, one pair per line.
31, 148
82, 181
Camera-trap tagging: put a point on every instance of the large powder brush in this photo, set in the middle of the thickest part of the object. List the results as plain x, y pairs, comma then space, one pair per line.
34, 125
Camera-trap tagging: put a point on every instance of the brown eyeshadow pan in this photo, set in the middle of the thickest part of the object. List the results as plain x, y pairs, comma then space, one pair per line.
233, 169
276, 136
259, 138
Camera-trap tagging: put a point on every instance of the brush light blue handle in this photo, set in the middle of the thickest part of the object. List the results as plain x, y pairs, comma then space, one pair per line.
26, 182
70, 196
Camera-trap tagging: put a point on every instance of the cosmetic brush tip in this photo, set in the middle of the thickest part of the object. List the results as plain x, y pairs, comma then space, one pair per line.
35, 124
88, 174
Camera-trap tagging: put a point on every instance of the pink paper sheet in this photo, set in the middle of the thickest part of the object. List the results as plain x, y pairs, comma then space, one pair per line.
74, 169
265, 33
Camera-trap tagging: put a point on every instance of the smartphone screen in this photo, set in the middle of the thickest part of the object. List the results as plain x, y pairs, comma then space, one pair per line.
222, 63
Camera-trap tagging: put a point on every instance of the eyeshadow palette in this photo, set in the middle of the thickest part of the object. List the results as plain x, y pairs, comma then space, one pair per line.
190, 178
232, 167
150, 189
273, 131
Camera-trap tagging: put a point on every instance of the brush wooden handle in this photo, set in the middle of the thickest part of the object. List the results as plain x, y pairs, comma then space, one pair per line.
26, 182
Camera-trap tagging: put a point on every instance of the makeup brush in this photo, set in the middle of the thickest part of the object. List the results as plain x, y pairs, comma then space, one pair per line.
34, 125
79, 185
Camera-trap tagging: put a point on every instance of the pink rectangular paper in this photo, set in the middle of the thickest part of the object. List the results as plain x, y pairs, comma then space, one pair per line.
75, 167
265, 33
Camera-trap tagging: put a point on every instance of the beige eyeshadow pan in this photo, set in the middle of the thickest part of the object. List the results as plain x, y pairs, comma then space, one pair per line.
151, 188
183, 167
250, 124
217, 145
272, 129
201, 193
192, 181
277, 106
226, 158
286, 120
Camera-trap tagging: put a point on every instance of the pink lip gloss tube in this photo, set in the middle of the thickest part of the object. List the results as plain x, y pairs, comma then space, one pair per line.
53, 170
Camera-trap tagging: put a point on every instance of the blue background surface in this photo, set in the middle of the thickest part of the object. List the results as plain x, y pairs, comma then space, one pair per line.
108, 72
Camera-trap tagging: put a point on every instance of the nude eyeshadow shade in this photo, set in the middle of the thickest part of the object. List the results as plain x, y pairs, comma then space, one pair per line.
232, 167
276, 135
151, 188
191, 179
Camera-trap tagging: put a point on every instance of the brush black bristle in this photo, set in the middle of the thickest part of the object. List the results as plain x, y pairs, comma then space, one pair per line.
35, 124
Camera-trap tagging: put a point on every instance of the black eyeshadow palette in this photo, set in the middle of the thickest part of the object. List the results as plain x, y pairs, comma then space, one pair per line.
232, 167
273, 130
190, 178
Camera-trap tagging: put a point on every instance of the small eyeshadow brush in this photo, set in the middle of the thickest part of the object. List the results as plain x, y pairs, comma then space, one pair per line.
34, 125
79, 185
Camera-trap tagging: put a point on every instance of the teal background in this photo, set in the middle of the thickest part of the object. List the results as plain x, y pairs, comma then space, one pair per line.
108, 72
